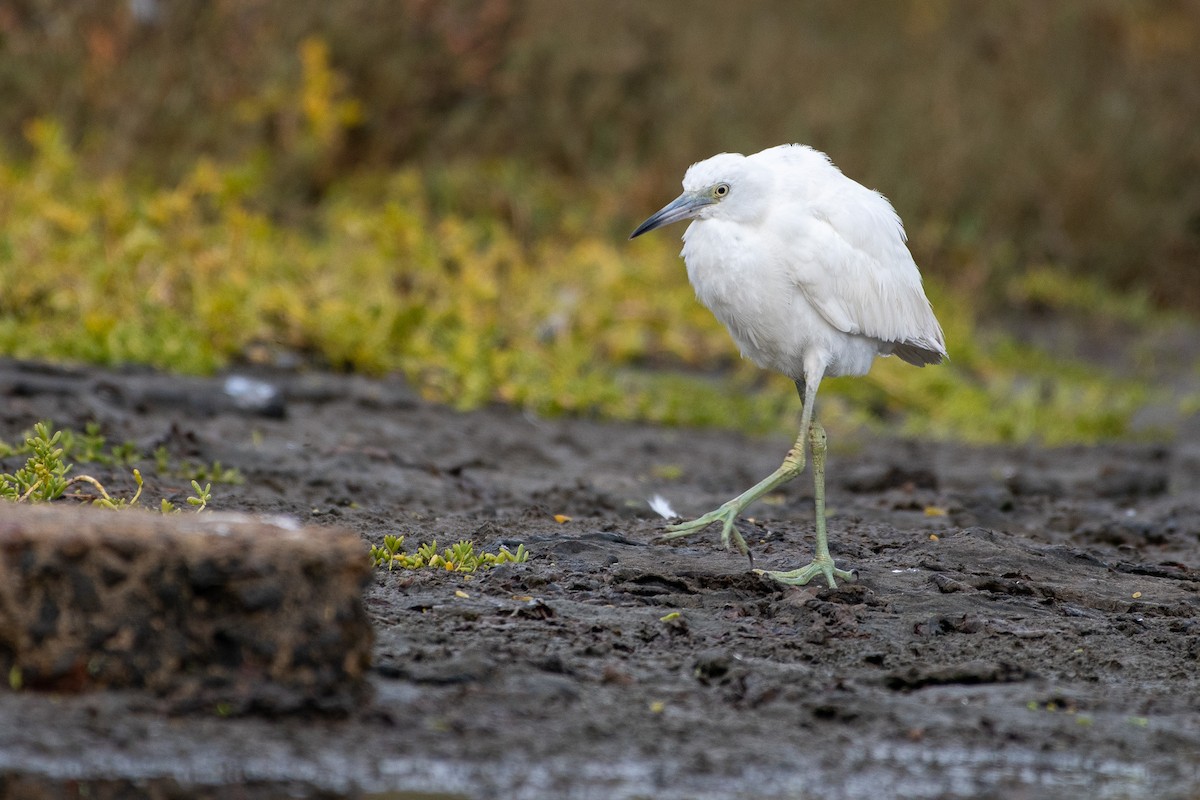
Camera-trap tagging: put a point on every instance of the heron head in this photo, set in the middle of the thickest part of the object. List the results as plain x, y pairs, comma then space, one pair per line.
719, 186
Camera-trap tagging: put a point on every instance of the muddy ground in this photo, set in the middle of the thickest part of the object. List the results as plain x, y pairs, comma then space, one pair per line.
1038, 639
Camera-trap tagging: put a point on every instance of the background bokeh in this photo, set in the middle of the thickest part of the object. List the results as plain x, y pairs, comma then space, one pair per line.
444, 188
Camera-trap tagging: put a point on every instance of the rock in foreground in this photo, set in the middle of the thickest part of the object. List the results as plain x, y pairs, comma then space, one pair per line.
219, 611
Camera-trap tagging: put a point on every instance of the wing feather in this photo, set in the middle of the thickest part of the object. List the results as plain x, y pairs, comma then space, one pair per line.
854, 268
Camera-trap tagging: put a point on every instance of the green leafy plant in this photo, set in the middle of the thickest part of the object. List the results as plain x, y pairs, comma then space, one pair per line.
195, 471
198, 500
44, 476
91, 447
213, 473
460, 557
86, 447
107, 501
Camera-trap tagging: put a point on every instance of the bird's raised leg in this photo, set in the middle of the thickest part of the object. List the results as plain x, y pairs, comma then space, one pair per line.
822, 563
727, 514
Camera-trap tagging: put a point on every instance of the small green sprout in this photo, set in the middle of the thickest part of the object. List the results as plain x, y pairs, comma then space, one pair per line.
460, 557
104, 500
202, 496
427, 552
388, 552
162, 459
196, 471
215, 472
667, 472
89, 447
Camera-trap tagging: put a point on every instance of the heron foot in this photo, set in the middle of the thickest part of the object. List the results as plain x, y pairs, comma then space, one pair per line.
818, 566
727, 515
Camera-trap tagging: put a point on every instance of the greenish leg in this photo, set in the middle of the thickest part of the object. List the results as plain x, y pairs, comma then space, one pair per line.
822, 563
727, 514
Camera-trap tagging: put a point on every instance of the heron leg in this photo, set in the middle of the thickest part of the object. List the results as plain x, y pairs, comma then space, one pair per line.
727, 514
822, 563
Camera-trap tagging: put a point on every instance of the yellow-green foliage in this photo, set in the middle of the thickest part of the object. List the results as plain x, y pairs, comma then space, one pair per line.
1048, 131
481, 282
460, 557
1046, 287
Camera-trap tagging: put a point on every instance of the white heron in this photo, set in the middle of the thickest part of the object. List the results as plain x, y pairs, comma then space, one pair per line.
810, 273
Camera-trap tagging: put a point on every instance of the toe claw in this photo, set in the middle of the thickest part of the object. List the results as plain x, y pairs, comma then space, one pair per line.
731, 537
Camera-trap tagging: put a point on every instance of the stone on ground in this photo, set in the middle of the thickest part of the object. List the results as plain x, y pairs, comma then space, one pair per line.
206, 611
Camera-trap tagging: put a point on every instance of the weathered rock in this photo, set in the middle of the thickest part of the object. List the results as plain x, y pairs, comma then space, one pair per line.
219, 611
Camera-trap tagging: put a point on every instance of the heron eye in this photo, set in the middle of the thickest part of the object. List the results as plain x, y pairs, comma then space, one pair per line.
721, 189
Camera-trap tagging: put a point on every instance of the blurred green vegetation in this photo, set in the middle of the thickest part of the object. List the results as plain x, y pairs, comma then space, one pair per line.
445, 188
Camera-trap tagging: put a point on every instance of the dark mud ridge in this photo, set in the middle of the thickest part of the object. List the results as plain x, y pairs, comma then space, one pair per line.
1026, 622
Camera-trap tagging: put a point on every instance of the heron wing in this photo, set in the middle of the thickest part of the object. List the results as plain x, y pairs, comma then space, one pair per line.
854, 268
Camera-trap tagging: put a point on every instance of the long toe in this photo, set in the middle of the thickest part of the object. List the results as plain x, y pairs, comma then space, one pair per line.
801, 576
682, 529
727, 515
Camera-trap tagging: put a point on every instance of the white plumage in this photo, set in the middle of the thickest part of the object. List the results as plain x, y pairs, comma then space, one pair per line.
810, 273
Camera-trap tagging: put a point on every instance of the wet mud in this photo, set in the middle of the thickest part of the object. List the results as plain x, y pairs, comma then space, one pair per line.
1026, 621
